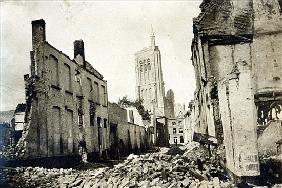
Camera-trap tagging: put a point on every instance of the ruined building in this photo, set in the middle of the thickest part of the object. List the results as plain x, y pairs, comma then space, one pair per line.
236, 53
18, 122
66, 103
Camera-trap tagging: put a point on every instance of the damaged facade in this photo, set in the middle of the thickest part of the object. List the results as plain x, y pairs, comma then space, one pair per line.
236, 54
18, 122
66, 103
67, 113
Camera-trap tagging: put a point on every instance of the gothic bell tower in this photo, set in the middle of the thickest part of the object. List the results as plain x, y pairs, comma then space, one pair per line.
149, 78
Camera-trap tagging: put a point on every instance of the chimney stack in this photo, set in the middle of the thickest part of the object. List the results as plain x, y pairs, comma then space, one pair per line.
38, 33
79, 55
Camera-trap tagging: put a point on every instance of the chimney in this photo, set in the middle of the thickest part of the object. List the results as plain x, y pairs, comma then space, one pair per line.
79, 56
38, 33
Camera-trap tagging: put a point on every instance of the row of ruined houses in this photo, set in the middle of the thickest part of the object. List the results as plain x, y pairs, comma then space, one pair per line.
236, 54
67, 112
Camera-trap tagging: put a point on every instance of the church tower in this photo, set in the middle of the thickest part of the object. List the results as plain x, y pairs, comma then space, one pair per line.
149, 78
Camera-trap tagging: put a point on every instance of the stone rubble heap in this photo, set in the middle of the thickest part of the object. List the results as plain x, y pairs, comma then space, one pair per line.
148, 170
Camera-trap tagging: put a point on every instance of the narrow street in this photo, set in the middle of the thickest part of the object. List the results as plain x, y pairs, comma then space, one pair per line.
168, 167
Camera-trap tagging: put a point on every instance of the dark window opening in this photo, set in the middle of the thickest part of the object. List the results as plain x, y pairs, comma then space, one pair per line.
54, 67
96, 92
214, 93
181, 139
92, 113
105, 123
174, 131
80, 113
175, 140
103, 96
90, 87
80, 118
98, 121
67, 77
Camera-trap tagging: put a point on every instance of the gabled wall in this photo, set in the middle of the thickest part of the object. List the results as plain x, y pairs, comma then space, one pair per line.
66, 104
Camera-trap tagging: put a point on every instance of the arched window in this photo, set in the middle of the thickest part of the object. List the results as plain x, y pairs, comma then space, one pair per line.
54, 70
67, 77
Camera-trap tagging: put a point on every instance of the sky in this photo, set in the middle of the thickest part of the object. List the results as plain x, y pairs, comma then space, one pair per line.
112, 32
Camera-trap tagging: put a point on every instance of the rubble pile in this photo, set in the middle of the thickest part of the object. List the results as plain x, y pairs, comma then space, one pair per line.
7, 152
149, 170
33, 176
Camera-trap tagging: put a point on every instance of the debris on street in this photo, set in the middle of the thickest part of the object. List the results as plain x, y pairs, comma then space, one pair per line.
148, 170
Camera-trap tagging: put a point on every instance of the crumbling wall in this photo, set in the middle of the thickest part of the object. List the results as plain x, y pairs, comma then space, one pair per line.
205, 106
60, 100
237, 109
55, 109
130, 137
161, 132
236, 54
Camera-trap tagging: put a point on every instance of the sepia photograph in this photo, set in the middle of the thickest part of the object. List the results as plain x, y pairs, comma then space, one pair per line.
149, 94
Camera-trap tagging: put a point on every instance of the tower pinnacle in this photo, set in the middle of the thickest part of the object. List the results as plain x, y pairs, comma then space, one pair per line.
152, 37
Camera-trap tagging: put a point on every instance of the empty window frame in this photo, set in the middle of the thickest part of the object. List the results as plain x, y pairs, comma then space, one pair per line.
96, 92
98, 121
91, 113
54, 70
175, 140
181, 139
103, 95
67, 77
105, 123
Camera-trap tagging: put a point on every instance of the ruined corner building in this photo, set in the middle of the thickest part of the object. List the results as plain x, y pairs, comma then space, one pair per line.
236, 53
66, 101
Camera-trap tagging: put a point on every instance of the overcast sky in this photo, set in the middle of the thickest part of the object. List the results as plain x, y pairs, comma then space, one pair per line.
112, 33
